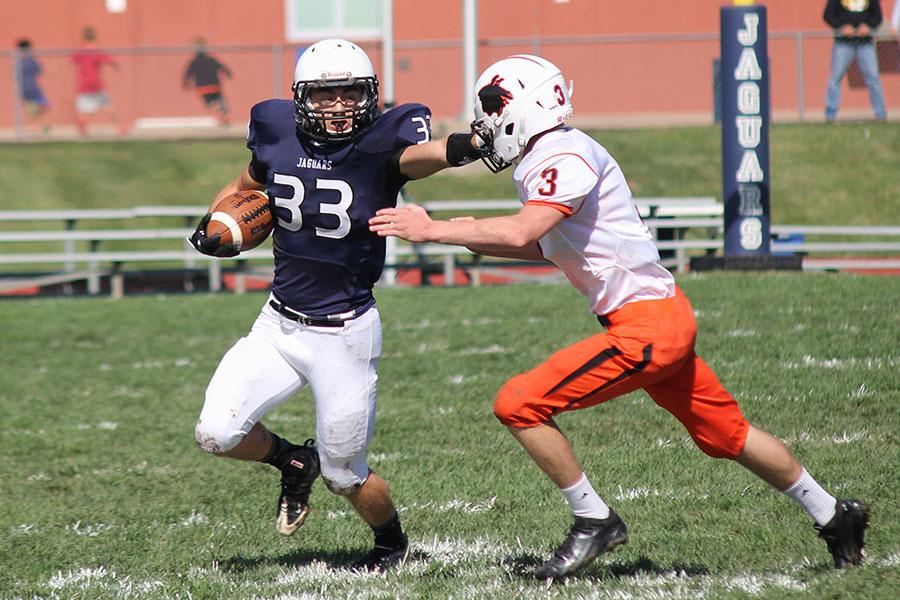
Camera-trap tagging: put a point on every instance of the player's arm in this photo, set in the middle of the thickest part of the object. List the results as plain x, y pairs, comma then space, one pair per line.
244, 182
421, 160
512, 235
530, 252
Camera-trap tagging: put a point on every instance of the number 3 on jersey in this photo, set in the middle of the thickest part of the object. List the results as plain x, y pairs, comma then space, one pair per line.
549, 175
293, 203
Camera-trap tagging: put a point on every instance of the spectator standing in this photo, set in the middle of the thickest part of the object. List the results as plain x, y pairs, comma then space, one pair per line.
203, 74
91, 97
853, 22
27, 71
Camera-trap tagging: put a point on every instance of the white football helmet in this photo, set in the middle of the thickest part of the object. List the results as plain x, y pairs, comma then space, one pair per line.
516, 99
334, 63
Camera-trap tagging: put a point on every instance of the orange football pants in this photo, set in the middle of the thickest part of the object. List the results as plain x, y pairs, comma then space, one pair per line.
649, 344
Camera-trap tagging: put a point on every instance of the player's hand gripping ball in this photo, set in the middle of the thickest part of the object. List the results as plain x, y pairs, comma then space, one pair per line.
236, 223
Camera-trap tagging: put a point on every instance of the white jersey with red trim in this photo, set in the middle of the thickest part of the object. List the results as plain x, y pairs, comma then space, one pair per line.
602, 245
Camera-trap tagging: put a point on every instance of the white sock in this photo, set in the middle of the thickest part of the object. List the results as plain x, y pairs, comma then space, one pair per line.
816, 501
584, 501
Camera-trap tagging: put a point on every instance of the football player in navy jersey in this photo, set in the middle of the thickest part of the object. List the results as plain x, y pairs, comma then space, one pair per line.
328, 161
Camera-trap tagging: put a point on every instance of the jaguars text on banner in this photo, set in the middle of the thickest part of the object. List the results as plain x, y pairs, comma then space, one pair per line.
745, 130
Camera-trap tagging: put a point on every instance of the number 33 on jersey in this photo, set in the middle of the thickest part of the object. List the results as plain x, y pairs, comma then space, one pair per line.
324, 194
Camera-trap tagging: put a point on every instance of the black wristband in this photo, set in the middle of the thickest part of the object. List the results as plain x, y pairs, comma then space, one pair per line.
459, 149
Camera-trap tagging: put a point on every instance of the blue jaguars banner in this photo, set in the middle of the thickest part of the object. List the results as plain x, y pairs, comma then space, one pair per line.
745, 130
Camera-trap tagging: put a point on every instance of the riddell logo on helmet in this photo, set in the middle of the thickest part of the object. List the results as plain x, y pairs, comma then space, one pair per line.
336, 75
564, 117
493, 97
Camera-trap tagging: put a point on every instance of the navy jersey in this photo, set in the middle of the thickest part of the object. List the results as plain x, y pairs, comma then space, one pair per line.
326, 259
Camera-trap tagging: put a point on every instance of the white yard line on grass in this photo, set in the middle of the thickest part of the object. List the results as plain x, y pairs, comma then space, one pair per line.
861, 392
90, 530
480, 322
150, 364
849, 437
428, 323
845, 437
423, 324
635, 493
24, 529
492, 349
741, 333
80, 576
485, 567
443, 349
100, 578
639, 493
380, 457
456, 505
452, 505
104, 425
872, 363
195, 518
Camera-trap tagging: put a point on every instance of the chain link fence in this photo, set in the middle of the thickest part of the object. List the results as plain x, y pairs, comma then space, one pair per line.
619, 80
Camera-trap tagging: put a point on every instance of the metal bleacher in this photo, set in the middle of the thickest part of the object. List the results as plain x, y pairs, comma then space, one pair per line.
76, 249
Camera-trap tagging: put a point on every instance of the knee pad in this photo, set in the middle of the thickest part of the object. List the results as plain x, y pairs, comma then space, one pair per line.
343, 476
343, 440
516, 406
344, 436
216, 439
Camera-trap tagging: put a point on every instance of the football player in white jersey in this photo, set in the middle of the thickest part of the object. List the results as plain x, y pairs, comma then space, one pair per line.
579, 214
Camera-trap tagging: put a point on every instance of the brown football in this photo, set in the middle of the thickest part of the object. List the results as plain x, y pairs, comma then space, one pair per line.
243, 219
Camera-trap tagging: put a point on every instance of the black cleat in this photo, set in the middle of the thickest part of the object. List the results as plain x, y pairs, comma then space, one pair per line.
587, 539
382, 558
296, 482
845, 532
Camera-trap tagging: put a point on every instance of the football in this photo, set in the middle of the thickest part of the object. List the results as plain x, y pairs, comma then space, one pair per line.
243, 219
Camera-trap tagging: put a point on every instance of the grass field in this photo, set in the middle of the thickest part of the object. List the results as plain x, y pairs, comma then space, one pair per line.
845, 174
104, 494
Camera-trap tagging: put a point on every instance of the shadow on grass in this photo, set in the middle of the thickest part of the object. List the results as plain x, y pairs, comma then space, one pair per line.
526, 564
335, 560
341, 560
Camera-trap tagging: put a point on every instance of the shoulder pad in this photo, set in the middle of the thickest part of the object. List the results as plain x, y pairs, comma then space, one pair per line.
270, 120
397, 128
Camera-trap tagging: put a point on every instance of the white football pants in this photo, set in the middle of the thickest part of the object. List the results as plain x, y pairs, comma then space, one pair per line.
274, 361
